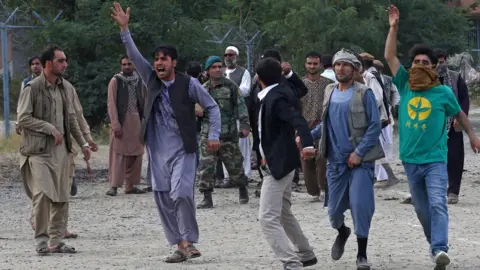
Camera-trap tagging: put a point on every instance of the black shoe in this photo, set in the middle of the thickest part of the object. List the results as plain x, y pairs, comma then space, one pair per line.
363, 264
148, 189
243, 195
338, 247
112, 192
310, 262
73, 189
207, 201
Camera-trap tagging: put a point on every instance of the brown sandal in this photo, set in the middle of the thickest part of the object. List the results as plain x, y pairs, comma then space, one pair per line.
42, 249
177, 257
69, 235
135, 190
62, 248
192, 252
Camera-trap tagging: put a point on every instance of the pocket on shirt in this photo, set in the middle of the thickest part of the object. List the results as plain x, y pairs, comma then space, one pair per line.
33, 143
359, 118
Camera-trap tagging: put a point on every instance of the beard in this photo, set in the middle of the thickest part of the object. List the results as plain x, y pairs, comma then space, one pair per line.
230, 63
344, 79
127, 73
59, 73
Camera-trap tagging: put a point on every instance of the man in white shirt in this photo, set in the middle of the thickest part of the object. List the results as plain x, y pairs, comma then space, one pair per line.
383, 172
242, 78
328, 73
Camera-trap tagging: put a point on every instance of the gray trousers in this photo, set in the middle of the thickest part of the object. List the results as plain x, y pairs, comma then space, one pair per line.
177, 217
279, 225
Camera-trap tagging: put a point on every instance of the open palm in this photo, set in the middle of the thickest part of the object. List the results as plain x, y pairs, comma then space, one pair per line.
119, 16
393, 15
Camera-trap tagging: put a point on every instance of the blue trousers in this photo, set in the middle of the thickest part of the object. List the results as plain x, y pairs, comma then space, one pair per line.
428, 186
351, 189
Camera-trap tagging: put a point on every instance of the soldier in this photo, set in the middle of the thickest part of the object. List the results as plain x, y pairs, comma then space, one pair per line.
232, 107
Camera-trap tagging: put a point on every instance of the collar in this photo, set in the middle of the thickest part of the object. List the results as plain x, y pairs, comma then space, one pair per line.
262, 94
208, 84
47, 83
372, 69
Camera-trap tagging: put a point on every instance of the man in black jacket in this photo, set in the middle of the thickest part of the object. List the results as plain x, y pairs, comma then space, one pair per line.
290, 80
279, 119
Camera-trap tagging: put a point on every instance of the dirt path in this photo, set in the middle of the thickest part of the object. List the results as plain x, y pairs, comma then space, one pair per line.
124, 232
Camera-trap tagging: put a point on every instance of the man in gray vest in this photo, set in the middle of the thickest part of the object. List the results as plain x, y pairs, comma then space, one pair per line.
125, 104
349, 132
456, 153
242, 78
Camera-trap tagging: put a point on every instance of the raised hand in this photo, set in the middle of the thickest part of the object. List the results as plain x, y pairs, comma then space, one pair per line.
393, 16
119, 16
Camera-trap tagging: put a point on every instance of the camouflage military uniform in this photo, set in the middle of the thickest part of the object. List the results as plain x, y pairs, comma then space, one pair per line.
232, 107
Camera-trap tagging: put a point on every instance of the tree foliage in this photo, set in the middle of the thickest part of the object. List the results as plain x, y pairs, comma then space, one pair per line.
92, 41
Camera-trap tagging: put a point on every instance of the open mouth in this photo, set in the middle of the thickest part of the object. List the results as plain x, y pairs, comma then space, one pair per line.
160, 70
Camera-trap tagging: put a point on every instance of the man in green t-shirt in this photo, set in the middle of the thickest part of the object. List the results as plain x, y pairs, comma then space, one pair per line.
425, 106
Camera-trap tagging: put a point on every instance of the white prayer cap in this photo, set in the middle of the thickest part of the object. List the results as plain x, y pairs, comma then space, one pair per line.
347, 56
233, 48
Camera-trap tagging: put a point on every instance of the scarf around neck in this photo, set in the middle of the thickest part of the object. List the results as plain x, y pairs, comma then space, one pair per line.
422, 78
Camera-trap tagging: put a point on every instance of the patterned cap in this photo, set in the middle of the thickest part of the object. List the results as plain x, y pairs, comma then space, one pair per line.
347, 56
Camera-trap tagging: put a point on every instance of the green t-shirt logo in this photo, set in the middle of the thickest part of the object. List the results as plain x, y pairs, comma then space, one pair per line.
419, 109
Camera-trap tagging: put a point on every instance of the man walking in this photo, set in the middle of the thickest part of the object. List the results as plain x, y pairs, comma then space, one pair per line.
386, 140
349, 140
232, 107
385, 177
242, 78
126, 96
168, 130
423, 116
314, 171
47, 121
279, 118
456, 151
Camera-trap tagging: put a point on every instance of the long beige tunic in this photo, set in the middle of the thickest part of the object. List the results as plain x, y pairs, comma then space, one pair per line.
129, 144
49, 173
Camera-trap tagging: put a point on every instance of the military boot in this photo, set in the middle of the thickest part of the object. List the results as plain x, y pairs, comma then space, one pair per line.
207, 201
243, 195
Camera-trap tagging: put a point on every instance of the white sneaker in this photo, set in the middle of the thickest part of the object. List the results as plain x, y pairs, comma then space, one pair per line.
441, 260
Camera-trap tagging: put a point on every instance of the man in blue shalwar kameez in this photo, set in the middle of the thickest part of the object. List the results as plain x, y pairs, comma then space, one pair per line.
349, 141
169, 133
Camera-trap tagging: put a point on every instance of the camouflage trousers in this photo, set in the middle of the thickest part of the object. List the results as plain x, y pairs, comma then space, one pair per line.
229, 153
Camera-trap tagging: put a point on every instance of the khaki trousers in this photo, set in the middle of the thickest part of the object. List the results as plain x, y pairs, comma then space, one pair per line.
72, 174
279, 225
49, 218
315, 174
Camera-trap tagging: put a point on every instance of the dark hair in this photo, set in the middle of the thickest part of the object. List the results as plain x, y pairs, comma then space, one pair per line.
30, 61
167, 50
269, 70
327, 60
367, 63
48, 54
194, 69
439, 53
272, 53
422, 49
314, 54
124, 57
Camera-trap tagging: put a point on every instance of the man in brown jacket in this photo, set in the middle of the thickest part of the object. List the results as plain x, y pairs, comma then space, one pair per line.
47, 121
126, 93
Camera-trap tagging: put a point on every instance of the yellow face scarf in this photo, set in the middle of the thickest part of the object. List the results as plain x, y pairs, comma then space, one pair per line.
422, 78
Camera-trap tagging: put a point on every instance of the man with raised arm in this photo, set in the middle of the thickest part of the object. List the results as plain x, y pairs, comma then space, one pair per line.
168, 131
423, 113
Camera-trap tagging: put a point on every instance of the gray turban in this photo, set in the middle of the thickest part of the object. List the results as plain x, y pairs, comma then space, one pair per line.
347, 56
